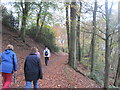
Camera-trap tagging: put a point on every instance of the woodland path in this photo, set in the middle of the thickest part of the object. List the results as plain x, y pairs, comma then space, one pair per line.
58, 75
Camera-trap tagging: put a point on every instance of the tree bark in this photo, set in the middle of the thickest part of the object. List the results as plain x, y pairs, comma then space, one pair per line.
24, 19
73, 63
38, 31
107, 63
38, 16
68, 30
93, 39
78, 34
83, 46
117, 78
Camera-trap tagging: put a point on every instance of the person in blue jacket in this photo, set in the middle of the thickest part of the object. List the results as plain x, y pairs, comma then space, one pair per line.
8, 65
32, 69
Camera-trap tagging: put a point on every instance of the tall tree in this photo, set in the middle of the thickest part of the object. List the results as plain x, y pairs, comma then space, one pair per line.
83, 46
42, 23
117, 78
25, 9
68, 30
73, 60
38, 14
93, 38
43, 14
107, 63
78, 33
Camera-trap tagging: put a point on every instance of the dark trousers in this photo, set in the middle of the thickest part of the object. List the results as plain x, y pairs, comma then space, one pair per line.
46, 60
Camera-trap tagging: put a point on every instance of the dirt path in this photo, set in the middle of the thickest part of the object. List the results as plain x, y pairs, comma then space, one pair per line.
58, 75
51, 73
54, 75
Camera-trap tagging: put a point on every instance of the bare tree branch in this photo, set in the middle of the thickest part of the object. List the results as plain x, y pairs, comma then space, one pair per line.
100, 30
92, 33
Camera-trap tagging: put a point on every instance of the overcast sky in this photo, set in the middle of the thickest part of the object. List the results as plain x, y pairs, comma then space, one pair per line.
57, 14
99, 1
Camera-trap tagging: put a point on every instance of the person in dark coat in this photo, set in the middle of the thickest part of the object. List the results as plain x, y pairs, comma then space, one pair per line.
32, 69
8, 65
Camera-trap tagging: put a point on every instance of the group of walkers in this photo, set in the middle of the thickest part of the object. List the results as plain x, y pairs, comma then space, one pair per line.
32, 66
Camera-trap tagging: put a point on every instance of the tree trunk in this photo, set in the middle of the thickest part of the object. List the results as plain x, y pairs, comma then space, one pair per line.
24, 19
68, 31
78, 34
38, 31
117, 78
38, 17
107, 63
93, 39
83, 44
18, 18
22, 34
73, 63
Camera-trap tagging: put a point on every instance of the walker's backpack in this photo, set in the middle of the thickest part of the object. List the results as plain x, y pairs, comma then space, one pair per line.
46, 53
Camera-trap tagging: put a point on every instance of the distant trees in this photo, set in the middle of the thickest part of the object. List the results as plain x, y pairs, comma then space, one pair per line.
8, 19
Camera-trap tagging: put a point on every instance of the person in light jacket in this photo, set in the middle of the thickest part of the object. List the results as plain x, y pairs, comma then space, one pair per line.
46, 54
32, 69
8, 66
37, 52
